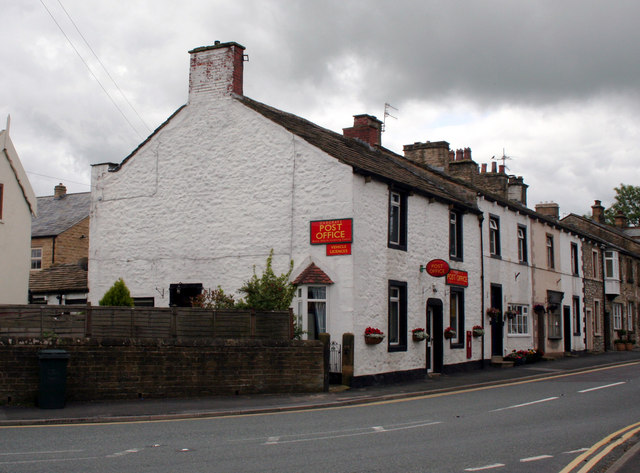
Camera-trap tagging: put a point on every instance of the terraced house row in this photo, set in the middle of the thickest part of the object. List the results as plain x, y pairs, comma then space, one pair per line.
439, 254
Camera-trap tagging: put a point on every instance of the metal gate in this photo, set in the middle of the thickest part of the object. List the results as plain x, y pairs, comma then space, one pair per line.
335, 358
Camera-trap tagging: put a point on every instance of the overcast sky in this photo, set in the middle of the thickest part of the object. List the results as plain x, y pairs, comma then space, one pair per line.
553, 84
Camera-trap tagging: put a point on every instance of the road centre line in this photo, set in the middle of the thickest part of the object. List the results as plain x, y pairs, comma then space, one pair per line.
526, 404
486, 467
44, 452
602, 387
535, 459
372, 430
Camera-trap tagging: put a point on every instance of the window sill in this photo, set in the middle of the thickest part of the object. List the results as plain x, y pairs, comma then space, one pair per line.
393, 348
457, 345
496, 256
554, 338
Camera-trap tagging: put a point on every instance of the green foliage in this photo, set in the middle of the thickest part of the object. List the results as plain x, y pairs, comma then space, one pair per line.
627, 202
118, 295
268, 292
213, 299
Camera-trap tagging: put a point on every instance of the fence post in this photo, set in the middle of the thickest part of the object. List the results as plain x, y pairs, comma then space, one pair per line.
87, 321
347, 358
173, 329
325, 338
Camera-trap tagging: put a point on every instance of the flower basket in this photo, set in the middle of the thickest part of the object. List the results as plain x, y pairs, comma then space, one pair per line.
510, 314
418, 335
538, 308
449, 333
493, 312
478, 331
373, 336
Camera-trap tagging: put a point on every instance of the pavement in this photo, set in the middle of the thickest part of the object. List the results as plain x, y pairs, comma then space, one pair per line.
169, 408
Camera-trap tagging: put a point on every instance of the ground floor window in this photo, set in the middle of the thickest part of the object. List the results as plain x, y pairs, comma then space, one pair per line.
596, 317
617, 316
456, 316
397, 326
554, 324
630, 316
519, 323
576, 315
311, 310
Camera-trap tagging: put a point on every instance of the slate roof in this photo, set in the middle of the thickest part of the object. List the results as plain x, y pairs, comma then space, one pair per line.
367, 160
312, 274
60, 278
57, 214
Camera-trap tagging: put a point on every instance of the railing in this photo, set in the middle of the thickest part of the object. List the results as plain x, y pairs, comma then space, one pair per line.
140, 322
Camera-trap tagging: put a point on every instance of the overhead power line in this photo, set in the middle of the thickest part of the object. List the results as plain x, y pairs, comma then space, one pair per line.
91, 71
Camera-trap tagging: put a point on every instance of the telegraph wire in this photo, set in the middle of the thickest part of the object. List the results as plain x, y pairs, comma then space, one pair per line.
92, 73
103, 67
60, 179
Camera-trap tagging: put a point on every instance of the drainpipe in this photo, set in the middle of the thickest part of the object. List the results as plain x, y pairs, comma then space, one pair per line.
53, 251
480, 220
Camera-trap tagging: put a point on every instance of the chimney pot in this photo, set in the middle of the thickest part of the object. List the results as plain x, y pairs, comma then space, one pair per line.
484, 168
494, 166
502, 169
467, 154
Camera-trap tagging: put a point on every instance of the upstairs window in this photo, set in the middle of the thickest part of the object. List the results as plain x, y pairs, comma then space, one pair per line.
494, 236
629, 267
551, 262
455, 235
397, 220
575, 264
610, 265
522, 244
36, 258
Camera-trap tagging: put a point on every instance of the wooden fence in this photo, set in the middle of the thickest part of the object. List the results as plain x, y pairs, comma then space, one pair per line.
141, 322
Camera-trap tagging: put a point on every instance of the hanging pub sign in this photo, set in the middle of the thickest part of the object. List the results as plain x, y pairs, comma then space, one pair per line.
339, 249
458, 278
437, 268
324, 232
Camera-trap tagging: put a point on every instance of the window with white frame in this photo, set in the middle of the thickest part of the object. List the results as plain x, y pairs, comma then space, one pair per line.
611, 264
456, 316
397, 220
36, 258
596, 317
397, 324
455, 235
494, 236
630, 316
617, 316
522, 244
551, 262
519, 324
310, 306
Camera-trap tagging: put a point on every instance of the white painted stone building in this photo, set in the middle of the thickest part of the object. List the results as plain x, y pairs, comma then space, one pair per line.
226, 179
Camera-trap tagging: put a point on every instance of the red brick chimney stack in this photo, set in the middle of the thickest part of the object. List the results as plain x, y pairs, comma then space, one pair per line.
366, 128
216, 71
597, 212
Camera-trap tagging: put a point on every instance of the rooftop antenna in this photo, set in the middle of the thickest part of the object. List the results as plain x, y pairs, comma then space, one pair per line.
504, 159
387, 114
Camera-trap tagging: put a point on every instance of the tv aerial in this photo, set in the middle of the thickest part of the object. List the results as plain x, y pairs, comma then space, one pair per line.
387, 114
504, 159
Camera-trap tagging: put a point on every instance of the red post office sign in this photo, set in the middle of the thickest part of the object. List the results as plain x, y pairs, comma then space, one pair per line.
324, 232
337, 249
458, 278
437, 268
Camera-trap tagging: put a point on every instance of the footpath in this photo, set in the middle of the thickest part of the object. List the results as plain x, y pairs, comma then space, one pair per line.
169, 408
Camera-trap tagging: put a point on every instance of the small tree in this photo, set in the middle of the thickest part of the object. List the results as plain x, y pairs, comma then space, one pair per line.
118, 295
213, 299
268, 292
627, 202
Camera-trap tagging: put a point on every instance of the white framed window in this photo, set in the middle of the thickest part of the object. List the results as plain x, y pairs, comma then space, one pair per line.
455, 235
397, 220
630, 316
596, 317
36, 258
494, 236
397, 324
456, 316
611, 265
551, 262
311, 309
617, 316
519, 324
522, 244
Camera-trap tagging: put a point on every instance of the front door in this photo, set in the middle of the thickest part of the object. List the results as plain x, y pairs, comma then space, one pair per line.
434, 327
567, 328
497, 323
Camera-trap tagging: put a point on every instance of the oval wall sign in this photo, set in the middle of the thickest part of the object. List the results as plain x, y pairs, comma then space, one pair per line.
437, 268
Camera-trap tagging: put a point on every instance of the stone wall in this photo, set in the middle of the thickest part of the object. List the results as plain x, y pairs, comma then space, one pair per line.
131, 369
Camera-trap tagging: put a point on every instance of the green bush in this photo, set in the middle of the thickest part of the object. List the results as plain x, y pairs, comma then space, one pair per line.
213, 299
268, 292
117, 295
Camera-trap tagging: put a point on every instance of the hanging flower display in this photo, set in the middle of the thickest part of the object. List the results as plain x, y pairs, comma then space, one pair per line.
449, 333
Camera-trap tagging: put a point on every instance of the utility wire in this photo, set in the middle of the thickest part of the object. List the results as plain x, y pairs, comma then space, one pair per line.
94, 76
60, 179
103, 67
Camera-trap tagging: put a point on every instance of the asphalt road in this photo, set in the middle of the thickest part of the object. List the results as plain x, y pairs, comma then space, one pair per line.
532, 426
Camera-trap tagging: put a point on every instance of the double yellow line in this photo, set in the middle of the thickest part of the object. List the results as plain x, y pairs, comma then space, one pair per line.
601, 449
